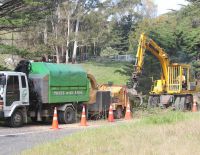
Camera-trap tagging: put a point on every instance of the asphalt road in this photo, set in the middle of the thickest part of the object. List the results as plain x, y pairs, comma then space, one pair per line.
15, 140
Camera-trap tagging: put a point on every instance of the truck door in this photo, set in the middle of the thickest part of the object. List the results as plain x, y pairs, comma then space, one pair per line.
12, 91
24, 94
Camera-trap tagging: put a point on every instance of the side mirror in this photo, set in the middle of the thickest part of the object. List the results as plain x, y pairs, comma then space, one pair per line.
2, 80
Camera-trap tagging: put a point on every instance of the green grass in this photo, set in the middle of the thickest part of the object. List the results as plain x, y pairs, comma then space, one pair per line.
170, 117
106, 71
168, 133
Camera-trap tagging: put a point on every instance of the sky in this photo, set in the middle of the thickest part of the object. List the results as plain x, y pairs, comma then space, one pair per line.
164, 5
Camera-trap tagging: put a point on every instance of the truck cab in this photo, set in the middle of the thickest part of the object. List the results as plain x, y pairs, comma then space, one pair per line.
14, 97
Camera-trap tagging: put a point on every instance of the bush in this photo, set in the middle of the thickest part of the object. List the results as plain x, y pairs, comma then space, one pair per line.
2, 68
109, 51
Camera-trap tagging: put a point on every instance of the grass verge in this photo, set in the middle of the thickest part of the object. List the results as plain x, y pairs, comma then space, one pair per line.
106, 71
168, 133
168, 118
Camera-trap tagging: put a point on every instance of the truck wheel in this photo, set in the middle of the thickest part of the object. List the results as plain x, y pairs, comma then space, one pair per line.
118, 113
16, 120
67, 116
34, 119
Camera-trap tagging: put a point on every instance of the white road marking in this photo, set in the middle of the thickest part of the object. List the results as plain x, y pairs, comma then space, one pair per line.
22, 133
31, 132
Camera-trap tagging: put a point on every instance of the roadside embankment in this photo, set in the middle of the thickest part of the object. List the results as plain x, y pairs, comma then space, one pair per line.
166, 133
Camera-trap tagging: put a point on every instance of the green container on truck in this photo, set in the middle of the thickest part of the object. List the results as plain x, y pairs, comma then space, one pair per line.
60, 83
34, 89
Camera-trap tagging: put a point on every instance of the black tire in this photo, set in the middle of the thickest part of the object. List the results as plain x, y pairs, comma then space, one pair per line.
180, 105
150, 102
118, 113
67, 116
17, 119
153, 101
177, 106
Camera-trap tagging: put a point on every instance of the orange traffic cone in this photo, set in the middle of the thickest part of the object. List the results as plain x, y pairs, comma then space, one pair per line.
83, 117
110, 115
194, 106
55, 120
128, 111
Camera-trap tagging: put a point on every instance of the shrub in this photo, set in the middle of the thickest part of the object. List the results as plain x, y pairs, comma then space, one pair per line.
109, 51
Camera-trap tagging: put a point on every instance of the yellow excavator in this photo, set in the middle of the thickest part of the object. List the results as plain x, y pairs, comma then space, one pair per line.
175, 87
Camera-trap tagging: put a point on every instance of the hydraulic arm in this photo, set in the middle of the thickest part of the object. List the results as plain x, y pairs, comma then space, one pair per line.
146, 44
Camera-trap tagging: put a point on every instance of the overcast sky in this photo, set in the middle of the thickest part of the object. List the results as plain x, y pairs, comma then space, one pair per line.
164, 5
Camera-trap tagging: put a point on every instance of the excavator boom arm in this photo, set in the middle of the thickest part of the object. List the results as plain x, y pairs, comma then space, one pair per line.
146, 44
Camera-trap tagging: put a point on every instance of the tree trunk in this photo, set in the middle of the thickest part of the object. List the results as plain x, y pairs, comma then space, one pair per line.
86, 54
56, 32
45, 38
63, 53
75, 42
57, 50
67, 46
57, 55
67, 56
94, 48
45, 33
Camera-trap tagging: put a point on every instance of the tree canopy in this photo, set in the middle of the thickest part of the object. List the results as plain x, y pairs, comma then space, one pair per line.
177, 33
68, 30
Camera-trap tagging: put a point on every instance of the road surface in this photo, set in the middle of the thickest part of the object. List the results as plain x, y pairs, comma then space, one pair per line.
15, 140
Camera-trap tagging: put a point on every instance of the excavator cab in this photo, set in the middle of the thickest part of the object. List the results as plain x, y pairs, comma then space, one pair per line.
179, 79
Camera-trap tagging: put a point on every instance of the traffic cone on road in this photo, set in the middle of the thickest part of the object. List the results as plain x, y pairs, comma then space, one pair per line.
128, 115
83, 117
55, 119
110, 115
194, 106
